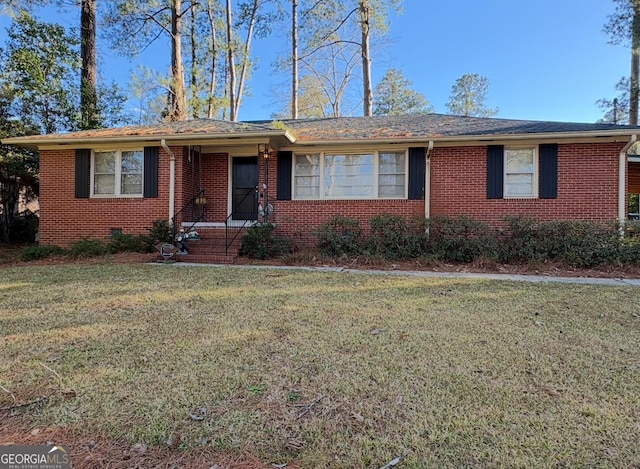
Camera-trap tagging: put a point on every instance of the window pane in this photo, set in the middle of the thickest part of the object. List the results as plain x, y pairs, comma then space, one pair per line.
348, 176
519, 184
131, 184
391, 178
519, 174
307, 176
391, 191
105, 162
132, 161
520, 160
391, 163
104, 184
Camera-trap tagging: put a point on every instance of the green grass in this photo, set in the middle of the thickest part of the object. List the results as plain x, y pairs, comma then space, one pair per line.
328, 369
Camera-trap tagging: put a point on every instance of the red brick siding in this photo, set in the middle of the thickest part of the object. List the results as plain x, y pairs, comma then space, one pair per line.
587, 189
211, 166
188, 180
65, 219
215, 168
587, 185
298, 218
271, 182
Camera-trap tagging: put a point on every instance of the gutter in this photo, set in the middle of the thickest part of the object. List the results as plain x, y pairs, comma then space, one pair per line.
622, 182
427, 181
172, 180
80, 142
68, 139
474, 139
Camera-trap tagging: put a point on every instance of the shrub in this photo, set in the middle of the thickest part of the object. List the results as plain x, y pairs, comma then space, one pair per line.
524, 241
462, 239
630, 252
130, 243
583, 243
86, 248
32, 253
630, 245
339, 236
24, 227
578, 243
394, 237
632, 229
260, 243
160, 232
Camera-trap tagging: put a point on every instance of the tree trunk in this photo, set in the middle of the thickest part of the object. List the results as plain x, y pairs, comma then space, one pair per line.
195, 68
635, 64
212, 83
294, 59
178, 110
367, 96
90, 118
231, 66
10, 198
245, 55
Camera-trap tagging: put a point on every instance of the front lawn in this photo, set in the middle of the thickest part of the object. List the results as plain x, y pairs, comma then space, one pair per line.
325, 369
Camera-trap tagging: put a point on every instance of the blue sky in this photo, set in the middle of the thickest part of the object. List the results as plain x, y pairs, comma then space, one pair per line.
545, 59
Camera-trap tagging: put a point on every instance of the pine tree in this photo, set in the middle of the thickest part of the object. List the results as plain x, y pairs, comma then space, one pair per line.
394, 96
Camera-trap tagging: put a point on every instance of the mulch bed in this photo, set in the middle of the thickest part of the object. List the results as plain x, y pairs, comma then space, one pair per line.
8, 258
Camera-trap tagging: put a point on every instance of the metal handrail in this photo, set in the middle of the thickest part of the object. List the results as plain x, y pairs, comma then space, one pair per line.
228, 242
199, 214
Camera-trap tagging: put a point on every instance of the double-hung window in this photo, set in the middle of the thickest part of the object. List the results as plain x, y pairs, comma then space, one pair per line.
520, 177
117, 173
362, 175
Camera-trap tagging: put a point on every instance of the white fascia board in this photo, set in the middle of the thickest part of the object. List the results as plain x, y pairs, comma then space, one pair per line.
612, 136
210, 139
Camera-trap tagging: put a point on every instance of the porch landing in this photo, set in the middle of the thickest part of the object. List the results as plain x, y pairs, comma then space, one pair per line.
211, 247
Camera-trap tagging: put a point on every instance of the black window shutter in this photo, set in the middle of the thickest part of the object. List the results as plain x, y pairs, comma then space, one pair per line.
151, 172
83, 162
548, 171
285, 162
416, 173
495, 171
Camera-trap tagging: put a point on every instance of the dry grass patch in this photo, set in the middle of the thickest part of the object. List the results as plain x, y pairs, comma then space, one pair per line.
327, 369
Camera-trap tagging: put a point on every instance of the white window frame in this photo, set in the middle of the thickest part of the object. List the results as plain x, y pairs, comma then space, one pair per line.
376, 174
118, 174
536, 169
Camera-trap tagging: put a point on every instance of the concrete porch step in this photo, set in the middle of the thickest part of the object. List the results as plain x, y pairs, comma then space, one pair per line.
211, 247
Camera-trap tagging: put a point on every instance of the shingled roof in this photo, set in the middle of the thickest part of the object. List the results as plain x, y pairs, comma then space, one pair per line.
189, 127
433, 126
353, 129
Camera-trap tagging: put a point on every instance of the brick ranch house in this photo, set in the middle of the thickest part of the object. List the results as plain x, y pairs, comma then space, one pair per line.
222, 175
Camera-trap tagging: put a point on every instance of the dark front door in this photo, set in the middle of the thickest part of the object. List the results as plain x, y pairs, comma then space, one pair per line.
244, 202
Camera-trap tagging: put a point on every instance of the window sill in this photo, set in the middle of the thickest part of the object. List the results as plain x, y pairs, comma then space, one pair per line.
352, 199
119, 197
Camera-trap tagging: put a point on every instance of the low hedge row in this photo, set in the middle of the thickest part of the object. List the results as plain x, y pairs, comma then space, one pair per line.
576, 243
84, 248
521, 239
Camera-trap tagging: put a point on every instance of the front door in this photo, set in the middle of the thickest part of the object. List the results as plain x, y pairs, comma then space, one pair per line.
244, 197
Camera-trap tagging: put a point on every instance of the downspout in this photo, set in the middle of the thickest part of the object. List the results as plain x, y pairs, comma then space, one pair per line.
622, 182
172, 179
427, 181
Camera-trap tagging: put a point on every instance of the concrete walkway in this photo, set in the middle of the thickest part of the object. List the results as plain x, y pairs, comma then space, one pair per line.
621, 282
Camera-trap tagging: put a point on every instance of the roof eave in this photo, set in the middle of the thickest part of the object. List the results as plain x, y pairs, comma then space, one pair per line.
443, 139
291, 140
38, 143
